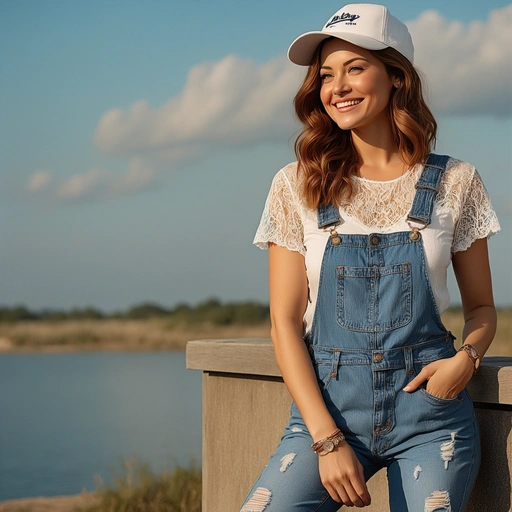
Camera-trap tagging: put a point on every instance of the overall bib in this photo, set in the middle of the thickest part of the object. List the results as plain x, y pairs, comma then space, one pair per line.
375, 326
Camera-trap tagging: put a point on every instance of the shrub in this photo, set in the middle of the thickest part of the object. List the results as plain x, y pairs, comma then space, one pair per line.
137, 489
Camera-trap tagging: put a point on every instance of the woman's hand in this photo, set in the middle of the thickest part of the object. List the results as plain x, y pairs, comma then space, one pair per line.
446, 378
342, 475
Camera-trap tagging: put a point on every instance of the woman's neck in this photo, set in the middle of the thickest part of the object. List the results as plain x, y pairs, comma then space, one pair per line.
379, 153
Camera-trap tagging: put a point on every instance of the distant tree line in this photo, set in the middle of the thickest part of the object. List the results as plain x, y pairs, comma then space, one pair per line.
210, 311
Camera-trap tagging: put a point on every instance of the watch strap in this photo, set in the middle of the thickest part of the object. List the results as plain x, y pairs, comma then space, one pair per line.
329, 443
473, 354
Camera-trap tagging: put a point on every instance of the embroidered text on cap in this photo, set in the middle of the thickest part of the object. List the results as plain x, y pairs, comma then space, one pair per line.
343, 17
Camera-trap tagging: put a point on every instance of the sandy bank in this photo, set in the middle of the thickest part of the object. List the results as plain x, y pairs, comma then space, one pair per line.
55, 504
113, 335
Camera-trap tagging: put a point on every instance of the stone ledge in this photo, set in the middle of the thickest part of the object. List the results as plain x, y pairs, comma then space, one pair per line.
255, 356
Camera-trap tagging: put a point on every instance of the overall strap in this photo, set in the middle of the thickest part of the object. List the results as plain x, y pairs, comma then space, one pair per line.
328, 215
427, 188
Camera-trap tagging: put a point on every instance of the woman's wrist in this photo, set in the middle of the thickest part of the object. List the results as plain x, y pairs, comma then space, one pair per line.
329, 443
323, 432
465, 362
472, 354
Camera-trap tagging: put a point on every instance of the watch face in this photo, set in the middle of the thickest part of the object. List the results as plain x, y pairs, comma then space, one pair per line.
328, 446
472, 352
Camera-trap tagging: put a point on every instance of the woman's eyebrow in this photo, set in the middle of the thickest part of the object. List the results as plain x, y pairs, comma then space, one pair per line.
347, 62
354, 59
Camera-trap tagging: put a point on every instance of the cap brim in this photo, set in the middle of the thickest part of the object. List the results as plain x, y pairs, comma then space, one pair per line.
302, 49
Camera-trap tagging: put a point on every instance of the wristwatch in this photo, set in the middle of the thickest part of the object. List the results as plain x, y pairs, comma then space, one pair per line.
473, 355
327, 445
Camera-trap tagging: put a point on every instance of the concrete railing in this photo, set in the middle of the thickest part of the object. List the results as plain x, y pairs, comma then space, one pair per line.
246, 406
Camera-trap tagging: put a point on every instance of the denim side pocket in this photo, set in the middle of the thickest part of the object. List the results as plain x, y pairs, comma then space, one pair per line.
437, 400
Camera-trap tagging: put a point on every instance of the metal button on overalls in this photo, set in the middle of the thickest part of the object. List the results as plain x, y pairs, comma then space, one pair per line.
378, 357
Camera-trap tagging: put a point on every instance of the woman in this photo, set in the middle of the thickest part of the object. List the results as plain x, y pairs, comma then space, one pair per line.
360, 233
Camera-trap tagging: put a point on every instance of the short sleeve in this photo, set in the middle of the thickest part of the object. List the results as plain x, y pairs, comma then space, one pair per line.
281, 222
477, 217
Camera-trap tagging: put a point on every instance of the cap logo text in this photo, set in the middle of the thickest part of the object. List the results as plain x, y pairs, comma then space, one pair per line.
344, 17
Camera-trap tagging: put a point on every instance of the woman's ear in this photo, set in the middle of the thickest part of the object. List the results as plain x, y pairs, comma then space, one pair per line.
396, 78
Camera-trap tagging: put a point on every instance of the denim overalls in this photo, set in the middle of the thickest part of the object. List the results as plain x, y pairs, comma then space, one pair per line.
376, 324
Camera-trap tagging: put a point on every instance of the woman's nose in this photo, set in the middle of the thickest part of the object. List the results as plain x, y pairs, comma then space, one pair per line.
340, 86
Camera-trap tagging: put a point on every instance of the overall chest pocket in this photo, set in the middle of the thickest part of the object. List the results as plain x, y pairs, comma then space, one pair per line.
374, 299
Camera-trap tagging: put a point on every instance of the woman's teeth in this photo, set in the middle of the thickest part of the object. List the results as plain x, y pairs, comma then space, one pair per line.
349, 103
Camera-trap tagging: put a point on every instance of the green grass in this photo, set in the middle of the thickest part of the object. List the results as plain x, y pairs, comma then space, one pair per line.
138, 489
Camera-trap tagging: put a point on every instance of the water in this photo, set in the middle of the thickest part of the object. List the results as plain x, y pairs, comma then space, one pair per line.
65, 418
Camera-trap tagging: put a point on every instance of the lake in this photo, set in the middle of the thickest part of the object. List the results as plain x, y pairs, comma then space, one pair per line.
66, 418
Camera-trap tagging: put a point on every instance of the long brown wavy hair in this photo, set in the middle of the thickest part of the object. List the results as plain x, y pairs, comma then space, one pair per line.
326, 154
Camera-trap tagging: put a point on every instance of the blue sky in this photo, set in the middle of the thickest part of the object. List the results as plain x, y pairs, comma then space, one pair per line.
139, 138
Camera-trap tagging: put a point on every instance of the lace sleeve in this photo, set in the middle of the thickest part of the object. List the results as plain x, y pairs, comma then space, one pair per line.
281, 223
477, 217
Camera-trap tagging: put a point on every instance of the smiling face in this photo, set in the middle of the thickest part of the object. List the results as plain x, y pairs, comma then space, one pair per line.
355, 88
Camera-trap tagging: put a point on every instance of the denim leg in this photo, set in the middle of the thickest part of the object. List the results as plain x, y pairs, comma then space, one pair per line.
291, 481
437, 476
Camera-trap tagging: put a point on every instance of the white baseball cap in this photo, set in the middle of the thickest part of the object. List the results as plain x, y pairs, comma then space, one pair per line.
369, 26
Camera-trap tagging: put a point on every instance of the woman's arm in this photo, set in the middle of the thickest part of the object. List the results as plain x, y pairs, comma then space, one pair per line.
288, 288
340, 470
448, 377
473, 275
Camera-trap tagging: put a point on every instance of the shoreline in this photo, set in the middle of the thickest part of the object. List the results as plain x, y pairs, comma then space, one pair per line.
49, 504
114, 335
74, 349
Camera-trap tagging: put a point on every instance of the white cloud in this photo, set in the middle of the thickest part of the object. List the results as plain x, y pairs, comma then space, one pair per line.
94, 184
468, 67
236, 102
83, 185
225, 103
38, 182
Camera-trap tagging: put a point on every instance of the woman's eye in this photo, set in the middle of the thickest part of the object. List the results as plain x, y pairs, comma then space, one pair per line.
325, 76
355, 69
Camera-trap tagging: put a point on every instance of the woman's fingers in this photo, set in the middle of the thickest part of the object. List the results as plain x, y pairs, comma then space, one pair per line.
352, 497
333, 493
351, 491
340, 495
361, 488
343, 477
415, 383
446, 377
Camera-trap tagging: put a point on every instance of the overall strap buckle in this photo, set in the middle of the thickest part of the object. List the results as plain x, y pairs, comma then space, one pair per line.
328, 219
328, 216
426, 192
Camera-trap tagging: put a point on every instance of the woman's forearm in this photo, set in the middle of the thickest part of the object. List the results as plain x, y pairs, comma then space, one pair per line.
297, 370
480, 328
476, 293
288, 286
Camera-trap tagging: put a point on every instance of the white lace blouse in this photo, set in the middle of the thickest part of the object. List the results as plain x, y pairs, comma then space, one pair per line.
462, 214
